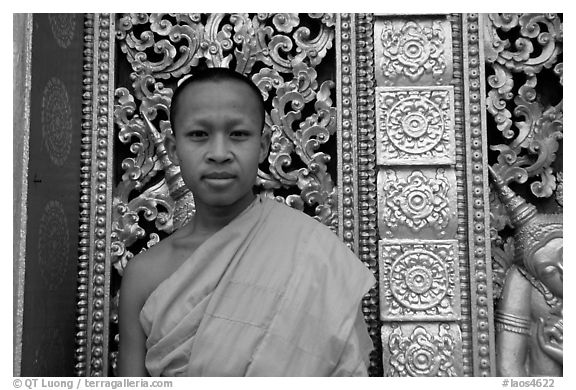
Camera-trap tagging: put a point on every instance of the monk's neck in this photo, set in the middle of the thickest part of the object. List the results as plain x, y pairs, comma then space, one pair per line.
213, 218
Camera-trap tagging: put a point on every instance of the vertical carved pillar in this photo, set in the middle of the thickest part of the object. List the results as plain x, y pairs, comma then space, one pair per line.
82, 323
477, 197
355, 154
97, 157
366, 200
431, 293
347, 131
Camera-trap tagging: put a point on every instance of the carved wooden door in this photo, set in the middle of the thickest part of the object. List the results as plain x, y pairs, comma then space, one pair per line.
380, 129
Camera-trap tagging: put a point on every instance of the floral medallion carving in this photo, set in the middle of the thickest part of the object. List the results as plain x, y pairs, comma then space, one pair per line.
422, 350
415, 201
416, 125
56, 121
63, 27
412, 50
419, 280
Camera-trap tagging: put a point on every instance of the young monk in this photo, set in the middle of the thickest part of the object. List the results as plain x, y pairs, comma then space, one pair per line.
249, 287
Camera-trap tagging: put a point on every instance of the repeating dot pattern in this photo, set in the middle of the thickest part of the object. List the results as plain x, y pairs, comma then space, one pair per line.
461, 234
347, 153
82, 322
91, 338
99, 343
476, 197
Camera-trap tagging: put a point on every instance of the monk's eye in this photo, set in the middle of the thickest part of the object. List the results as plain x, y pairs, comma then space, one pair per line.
197, 135
240, 135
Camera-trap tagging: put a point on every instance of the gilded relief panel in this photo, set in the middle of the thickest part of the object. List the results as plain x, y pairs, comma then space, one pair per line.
419, 280
415, 50
415, 125
430, 349
417, 201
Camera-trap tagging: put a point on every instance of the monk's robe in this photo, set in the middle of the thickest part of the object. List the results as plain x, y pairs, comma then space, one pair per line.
273, 293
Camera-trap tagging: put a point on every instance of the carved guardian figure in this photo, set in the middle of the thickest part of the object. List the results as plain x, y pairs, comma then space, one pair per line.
529, 316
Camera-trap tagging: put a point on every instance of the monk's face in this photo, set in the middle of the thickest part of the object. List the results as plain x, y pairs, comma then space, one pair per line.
218, 142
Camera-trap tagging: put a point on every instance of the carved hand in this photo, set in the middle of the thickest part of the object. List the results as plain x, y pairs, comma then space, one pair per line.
550, 338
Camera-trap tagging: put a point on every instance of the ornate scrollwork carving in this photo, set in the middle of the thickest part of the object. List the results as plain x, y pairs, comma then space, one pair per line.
423, 353
529, 120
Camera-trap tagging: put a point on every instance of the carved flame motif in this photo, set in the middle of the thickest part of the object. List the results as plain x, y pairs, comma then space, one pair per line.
416, 202
280, 54
418, 281
421, 353
412, 51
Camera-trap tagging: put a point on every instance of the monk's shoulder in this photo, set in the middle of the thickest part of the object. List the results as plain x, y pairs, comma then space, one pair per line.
288, 217
146, 270
306, 231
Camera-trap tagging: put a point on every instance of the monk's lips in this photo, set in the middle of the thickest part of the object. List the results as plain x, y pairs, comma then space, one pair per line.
219, 175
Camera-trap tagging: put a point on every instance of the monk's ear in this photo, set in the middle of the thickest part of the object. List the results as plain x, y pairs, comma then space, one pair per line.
264, 144
170, 145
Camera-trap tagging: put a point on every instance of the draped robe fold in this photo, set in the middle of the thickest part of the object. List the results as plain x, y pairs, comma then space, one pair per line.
273, 293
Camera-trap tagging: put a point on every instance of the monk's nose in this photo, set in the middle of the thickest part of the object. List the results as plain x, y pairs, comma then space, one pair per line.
219, 149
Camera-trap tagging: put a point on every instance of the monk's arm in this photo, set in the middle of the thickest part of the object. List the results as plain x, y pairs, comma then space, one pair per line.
132, 348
